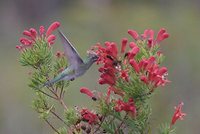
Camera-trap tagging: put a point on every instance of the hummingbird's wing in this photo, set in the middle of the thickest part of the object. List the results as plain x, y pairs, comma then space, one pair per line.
70, 52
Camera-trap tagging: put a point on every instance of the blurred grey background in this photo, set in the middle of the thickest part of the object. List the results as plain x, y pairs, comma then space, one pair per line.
86, 22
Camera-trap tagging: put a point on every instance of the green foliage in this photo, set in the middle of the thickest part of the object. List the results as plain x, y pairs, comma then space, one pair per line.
40, 104
62, 130
70, 116
37, 79
142, 119
45, 66
60, 63
109, 127
166, 129
103, 108
38, 55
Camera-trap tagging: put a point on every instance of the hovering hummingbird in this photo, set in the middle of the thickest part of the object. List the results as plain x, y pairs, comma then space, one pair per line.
77, 65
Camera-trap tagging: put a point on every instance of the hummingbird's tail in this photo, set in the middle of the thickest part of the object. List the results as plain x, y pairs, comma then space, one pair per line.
48, 83
39, 87
51, 82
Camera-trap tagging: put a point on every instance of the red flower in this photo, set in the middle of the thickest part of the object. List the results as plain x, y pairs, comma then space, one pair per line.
157, 76
25, 41
178, 114
42, 30
19, 47
86, 91
133, 52
125, 106
144, 64
150, 71
134, 64
134, 34
162, 34
33, 33
111, 49
27, 33
108, 57
124, 43
106, 79
124, 75
89, 116
144, 79
32, 36
52, 27
51, 39
148, 34
114, 66
132, 45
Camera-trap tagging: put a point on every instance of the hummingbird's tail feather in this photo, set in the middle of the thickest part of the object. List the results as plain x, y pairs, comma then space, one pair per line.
54, 80
48, 83
39, 87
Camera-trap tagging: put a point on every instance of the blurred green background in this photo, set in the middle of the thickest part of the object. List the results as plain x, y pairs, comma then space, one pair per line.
86, 22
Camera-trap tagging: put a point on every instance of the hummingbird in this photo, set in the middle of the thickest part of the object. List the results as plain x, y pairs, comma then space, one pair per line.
77, 66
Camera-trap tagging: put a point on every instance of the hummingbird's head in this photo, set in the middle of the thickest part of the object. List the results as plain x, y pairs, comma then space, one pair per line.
92, 55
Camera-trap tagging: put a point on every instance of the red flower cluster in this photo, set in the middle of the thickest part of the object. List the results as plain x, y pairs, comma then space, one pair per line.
119, 66
125, 106
178, 114
111, 70
108, 56
32, 36
116, 65
150, 71
89, 116
149, 36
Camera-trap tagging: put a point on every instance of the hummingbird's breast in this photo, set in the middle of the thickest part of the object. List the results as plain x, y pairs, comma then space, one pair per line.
79, 72
82, 68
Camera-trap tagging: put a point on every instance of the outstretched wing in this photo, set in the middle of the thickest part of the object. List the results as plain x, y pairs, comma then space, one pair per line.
72, 55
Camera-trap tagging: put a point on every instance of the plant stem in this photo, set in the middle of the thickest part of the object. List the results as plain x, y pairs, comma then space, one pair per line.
58, 97
122, 122
46, 94
61, 92
63, 103
100, 124
52, 126
58, 117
